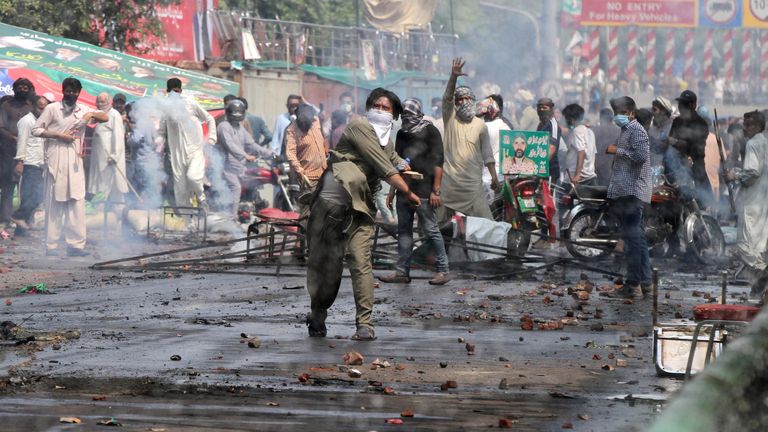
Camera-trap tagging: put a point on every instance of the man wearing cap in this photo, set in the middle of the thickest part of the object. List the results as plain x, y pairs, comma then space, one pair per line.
467, 151
688, 134
630, 190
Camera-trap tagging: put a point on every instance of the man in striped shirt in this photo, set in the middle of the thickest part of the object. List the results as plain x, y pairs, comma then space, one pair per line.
306, 150
630, 189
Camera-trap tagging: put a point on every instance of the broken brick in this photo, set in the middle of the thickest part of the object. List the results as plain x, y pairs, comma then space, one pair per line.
353, 358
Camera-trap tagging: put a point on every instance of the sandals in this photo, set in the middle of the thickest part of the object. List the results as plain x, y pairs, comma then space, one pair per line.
364, 334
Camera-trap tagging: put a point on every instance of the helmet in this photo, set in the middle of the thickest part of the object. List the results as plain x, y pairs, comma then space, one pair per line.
235, 110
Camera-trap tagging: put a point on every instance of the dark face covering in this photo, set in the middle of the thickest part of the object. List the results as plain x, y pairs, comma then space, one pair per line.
70, 99
21, 95
305, 115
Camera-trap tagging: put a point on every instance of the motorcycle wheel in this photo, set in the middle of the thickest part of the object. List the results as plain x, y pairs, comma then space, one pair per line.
519, 241
581, 227
706, 246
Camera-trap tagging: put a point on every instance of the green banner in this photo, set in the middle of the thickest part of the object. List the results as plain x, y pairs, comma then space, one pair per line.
46, 60
524, 153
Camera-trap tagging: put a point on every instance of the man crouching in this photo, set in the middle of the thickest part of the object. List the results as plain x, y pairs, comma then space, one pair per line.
343, 211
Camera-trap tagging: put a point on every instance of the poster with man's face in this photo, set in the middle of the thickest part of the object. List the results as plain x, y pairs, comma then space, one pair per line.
524, 153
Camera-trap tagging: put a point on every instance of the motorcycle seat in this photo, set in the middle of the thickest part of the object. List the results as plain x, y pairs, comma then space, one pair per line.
592, 192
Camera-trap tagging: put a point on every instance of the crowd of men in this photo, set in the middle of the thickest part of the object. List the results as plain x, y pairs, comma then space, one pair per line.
437, 166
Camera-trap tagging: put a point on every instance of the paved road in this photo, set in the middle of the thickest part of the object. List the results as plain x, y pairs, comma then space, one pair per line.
131, 324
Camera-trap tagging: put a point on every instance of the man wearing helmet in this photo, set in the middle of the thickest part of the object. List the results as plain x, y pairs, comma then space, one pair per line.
238, 147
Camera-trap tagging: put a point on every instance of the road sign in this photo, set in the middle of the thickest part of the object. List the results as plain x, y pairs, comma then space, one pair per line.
756, 13
553, 90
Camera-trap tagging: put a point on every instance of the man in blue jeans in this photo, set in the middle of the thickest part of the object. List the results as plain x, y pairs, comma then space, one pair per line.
419, 141
630, 189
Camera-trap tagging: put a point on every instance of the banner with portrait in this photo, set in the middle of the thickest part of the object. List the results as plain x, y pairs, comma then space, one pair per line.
46, 60
524, 153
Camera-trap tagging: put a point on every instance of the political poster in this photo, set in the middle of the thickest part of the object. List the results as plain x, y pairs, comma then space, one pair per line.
524, 153
46, 60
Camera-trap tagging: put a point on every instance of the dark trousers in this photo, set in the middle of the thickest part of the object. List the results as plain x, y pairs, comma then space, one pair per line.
629, 212
7, 183
31, 192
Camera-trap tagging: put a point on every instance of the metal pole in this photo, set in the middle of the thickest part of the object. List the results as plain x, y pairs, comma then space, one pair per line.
548, 51
655, 313
453, 30
723, 286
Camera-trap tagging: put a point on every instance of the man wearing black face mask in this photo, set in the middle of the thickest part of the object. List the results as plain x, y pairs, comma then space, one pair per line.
239, 147
62, 124
306, 151
10, 113
689, 135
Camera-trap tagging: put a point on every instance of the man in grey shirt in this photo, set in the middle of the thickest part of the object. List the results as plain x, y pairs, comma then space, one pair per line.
237, 145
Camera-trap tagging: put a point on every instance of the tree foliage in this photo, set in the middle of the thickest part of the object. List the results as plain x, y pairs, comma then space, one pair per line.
326, 12
118, 24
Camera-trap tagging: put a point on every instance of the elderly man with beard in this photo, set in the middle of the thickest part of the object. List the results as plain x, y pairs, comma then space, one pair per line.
30, 163
106, 173
10, 113
341, 220
306, 150
62, 124
467, 150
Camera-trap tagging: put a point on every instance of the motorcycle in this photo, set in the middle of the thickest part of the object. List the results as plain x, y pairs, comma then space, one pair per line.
257, 174
521, 205
673, 215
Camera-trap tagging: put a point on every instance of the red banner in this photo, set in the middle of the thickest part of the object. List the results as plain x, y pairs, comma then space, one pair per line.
667, 13
185, 35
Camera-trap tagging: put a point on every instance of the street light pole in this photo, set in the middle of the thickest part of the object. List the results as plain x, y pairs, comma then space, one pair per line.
549, 53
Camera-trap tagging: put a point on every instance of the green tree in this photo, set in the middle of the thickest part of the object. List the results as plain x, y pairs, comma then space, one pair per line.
123, 24
326, 12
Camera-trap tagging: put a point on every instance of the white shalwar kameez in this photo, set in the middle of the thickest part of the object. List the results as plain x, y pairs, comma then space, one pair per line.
752, 204
108, 143
182, 131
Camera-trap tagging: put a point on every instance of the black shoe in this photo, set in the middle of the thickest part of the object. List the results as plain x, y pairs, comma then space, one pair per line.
75, 252
316, 328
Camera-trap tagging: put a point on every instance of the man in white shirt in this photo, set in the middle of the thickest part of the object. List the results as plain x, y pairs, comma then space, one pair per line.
181, 129
282, 122
489, 110
30, 163
106, 174
580, 161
